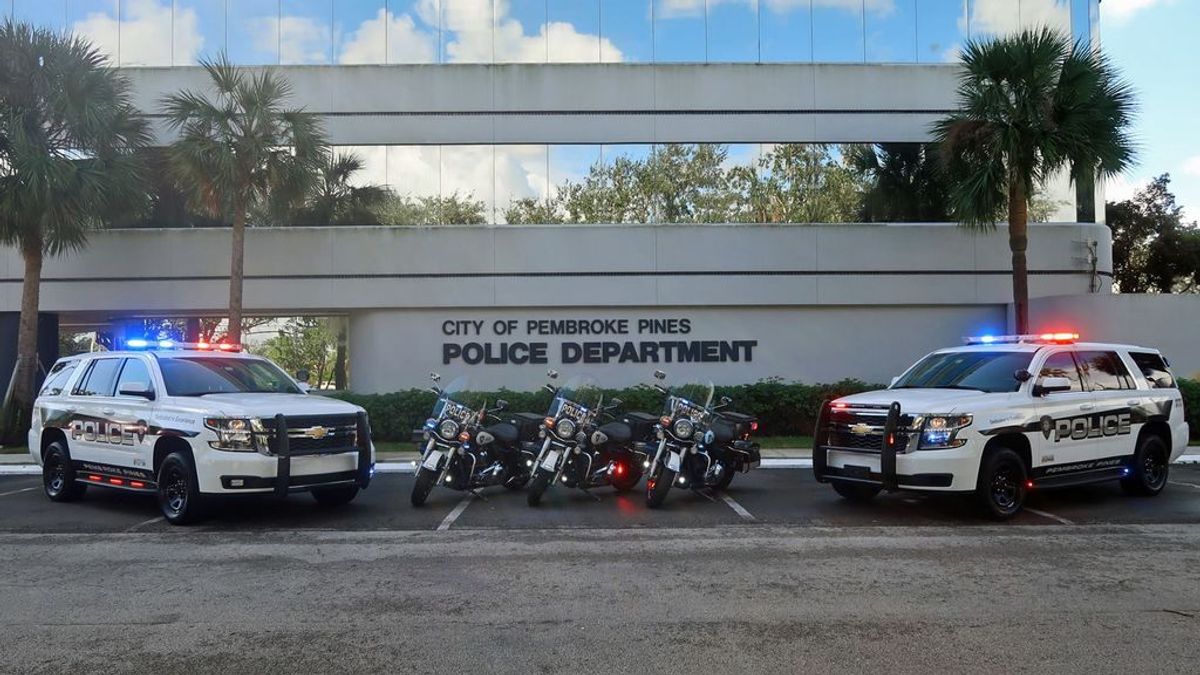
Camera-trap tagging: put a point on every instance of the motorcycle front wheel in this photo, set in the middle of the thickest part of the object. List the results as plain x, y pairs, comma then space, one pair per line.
658, 485
424, 485
538, 485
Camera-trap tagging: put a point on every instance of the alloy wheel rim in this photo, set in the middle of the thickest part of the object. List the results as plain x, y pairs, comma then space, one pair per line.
56, 476
1152, 469
1004, 488
175, 491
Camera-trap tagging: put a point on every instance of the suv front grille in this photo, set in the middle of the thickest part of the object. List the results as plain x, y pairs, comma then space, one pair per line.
861, 428
316, 434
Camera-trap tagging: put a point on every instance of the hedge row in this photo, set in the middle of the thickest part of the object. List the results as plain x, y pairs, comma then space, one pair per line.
782, 409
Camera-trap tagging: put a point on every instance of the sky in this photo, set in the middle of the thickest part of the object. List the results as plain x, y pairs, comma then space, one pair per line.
1154, 44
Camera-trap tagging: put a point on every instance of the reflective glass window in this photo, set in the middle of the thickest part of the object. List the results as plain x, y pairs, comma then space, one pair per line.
1054, 14
627, 25
1153, 367
522, 182
414, 174
891, 31
134, 372
360, 31
200, 31
622, 193
521, 32
254, 32
992, 18
42, 13
412, 31
1095, 13
1105, 371
679, 32
1062, 364
838, 32
941, 30
468, 184
733, 31
1081, 21
306, 32
467, 31
146, 28
373, 159
98, 21
573, 32
573, 168
786, 32
100, 378
741, 164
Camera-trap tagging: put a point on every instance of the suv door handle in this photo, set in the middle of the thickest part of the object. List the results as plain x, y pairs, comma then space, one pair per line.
109, 411
1087, 406
1133, 401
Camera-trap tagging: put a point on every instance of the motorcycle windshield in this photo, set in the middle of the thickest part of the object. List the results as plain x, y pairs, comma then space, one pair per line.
451, 397
691, 398
579, 395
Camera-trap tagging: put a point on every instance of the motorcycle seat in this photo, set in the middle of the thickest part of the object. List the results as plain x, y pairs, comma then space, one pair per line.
617, 432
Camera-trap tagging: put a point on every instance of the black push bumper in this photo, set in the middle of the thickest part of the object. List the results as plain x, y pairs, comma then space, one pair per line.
887, 455
283, 481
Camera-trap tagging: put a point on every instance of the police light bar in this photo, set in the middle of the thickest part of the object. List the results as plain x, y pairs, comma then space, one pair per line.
140, 344
1055, 338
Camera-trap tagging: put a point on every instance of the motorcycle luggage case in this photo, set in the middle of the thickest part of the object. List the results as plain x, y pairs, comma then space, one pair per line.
527, 424
740, 421
641, 424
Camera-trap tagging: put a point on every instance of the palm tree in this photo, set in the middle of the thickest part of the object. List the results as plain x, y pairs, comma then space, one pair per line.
336, 201
69, 142
241, 149
1030, 105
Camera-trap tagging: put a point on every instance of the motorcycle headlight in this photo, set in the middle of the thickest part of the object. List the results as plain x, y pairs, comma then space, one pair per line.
234, 434
566, 428
448, 429
684, 427
940, 432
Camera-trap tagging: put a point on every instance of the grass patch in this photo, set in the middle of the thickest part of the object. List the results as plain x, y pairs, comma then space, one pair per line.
14, 450
395, 446
784, 442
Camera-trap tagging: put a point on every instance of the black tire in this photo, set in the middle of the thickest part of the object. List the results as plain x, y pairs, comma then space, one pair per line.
58, 475
628, 481
726, 479
856, 492
335, 496
423, 486
1150, 470
178, 491
658, 485
1001, 489
537, 486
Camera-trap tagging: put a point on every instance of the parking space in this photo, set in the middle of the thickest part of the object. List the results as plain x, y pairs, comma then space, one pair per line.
775, 497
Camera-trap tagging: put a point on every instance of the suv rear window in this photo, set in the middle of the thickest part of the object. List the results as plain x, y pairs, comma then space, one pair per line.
57, 379
100, 378
1154, 368
1104, 371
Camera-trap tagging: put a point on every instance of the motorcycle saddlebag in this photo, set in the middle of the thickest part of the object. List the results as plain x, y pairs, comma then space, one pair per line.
527, 424
641, 424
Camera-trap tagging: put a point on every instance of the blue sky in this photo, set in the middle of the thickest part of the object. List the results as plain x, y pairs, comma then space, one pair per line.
1154, 43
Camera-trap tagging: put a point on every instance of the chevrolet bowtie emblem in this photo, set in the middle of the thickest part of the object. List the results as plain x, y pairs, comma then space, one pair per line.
316, 433
860, 429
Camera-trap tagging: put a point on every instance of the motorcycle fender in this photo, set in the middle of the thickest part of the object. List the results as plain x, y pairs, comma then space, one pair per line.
673, 461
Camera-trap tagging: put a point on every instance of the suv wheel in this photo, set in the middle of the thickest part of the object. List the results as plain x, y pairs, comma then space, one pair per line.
1148, 475
178, 492
58, 475
1001, 487
335, 496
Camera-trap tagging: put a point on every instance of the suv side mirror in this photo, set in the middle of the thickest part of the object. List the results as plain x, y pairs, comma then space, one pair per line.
304, 387
139, 389
1022, 375
1051, 385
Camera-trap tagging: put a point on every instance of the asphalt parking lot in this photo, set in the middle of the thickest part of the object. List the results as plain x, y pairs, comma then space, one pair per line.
774, 497
784, 578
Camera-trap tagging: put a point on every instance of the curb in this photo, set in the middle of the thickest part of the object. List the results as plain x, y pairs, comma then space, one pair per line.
410, 467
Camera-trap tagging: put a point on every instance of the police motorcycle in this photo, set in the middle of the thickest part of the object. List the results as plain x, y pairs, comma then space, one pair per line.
463, 452
578, 449
699, 444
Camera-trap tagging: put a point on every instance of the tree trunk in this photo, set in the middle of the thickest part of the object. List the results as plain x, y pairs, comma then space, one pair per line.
25, 373
1018, 243
236, 274
339, 360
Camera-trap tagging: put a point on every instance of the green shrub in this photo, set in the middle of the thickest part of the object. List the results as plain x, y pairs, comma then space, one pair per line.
1191, 405
782, 409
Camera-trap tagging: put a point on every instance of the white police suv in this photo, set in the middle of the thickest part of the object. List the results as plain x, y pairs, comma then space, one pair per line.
1006, 415
185, 421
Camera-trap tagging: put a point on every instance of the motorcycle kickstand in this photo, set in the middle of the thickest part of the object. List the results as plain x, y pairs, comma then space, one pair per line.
589, 493
478, 495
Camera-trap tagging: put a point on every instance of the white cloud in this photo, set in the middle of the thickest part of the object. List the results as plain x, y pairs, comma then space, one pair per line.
140, 35
1000, 17
399, 35
1121, 11
1191, 166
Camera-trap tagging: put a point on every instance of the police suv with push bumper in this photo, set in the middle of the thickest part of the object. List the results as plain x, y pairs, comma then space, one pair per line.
1006, 415
185, 421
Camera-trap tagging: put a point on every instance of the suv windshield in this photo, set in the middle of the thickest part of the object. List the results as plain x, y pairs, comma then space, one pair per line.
990, 372
198, 376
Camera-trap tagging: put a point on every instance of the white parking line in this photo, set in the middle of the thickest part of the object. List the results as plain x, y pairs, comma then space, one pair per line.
148, 522
1051, 516
1174, 482
17, 492
458, 511
738, 508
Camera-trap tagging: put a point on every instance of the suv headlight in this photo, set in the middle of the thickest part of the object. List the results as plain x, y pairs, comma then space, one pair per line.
940, 432
234, 434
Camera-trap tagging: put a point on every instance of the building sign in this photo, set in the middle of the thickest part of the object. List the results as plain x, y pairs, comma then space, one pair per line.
539, 341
